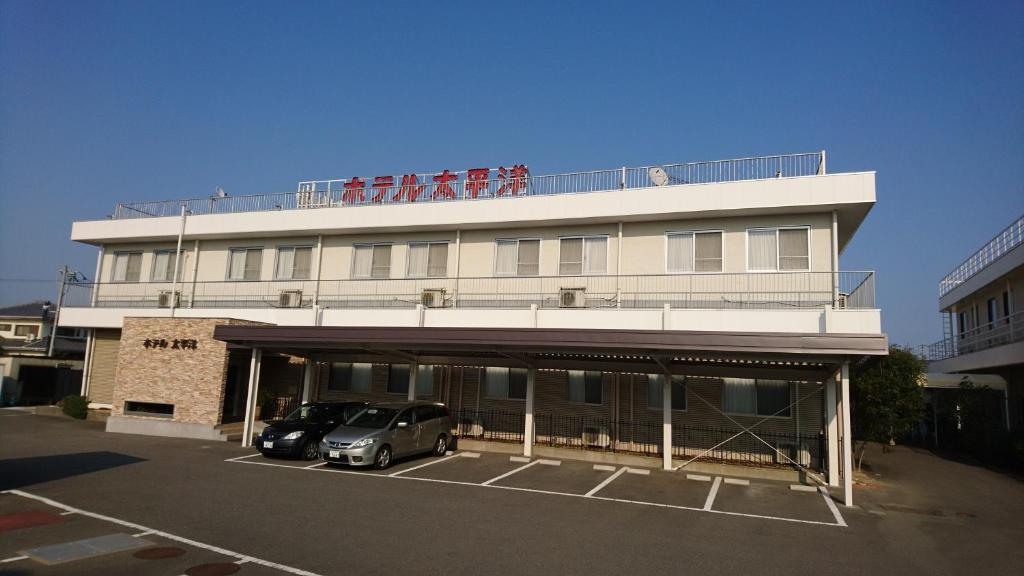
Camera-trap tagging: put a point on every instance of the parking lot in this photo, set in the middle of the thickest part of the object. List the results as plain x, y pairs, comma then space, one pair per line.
603, 483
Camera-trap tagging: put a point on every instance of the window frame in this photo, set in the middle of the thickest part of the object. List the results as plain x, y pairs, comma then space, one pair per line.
681, 380
293, 247
113, 267
33, 334
508, 387
6, 327
331, 387
408, 257
419, 371
170, 265
568, 387
246, 249
693, 250
777, 270
755, 413
372, 245
540, 256
583, 263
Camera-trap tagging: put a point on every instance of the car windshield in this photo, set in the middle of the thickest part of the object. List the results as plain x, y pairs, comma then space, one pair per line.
372, 418
310, 413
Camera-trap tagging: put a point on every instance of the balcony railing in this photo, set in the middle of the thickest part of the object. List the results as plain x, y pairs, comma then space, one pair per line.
333, 193
1002, 331
709, 291
1005, 241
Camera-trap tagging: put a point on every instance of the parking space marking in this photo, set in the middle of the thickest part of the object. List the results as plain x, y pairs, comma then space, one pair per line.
470, 454
639, 471
549, 462
431, 463
13, 559
66, 513
317, 465
507, 474
606, 481
604, 468
518, 459
832, 506
802, 488
144, 533
698, 477
237, 458
713, 493
570, 494
737, 481
167, 535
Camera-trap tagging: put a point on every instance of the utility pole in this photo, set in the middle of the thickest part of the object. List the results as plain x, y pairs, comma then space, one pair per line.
56, 314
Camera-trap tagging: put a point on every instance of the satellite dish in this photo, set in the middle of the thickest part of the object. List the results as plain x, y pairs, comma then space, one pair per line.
220, 193
658, 175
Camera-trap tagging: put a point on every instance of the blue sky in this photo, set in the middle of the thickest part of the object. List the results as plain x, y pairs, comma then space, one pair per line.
109, 101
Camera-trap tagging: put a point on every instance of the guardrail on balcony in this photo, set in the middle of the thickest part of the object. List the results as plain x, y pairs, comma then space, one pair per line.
1007, 240
1005, 330
332, 193
709, 291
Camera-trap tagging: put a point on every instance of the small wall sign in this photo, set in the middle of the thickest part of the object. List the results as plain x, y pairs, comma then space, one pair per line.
174, 344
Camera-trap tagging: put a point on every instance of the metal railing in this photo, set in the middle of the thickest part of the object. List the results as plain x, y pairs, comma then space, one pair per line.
601, 433
362, 191
1007, 240
999, 332
854, 290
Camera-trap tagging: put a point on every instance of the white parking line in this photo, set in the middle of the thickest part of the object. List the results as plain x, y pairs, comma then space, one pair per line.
317, 465
606, 482
144, 533
237, 458
640, 471
167, 535
13, 559
698, 477
518, 459
554, 493
549, 462
431, 463
507, 474
604, 468
713, 493
832, 506
737, 481
802, 488
66, 513
470, 454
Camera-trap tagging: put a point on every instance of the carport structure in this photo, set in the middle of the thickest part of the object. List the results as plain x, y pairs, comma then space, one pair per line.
823, 359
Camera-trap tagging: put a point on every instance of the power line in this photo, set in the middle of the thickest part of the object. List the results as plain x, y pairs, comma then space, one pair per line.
29, 280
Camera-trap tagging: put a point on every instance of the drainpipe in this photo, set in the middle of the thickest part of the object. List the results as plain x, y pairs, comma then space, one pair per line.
177, 262
835, 253
195, 274
96, 277
458, 266
618, 270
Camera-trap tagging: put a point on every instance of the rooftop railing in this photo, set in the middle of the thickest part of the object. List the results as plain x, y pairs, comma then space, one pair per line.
458, 186
1005, 241
785, 290
1006, 330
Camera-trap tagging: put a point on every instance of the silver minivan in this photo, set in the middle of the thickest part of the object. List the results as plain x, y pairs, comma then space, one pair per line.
382, 432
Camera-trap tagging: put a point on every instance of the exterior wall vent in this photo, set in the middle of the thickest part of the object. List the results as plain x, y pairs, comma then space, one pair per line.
572, 297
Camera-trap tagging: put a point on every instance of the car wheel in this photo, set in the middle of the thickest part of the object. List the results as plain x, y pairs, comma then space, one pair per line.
383, 458
441, 445
310, 450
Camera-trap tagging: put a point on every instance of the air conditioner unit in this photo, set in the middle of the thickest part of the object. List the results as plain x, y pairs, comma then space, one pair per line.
596, 436
841, 301
471, 427
799, 455
289, 299
168, 298
572, 297
432, 297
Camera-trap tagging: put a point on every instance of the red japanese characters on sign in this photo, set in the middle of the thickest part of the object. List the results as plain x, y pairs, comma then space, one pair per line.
446, 186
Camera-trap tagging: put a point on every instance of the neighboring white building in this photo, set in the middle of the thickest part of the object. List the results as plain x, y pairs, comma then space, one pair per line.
541, 309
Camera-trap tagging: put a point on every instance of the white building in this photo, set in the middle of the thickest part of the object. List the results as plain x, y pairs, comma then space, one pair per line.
545, 310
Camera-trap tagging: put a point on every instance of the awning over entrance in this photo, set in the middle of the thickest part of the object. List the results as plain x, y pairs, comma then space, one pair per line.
785, 355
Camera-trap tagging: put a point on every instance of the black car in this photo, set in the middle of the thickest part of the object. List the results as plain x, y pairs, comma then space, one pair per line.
299, 433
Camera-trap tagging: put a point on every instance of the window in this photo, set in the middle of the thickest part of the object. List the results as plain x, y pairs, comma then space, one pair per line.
655, 393
427, 260
760, 397
5, 327
778, 249
1006, 303
27, 331
583, 255
520, 257
245, 263
347, 377
127, 266
993, 312
963, 323
585, 387
694, 251
163, 265
398, 380
149, 409
505, 383
293, 262
371, 261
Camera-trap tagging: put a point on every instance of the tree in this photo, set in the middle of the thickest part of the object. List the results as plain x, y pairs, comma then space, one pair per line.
887, 398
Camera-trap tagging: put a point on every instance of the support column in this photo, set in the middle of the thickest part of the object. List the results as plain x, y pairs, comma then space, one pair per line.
414, 371
531, 381
847, 438
307, 380
831, 431
666, 422
250, 399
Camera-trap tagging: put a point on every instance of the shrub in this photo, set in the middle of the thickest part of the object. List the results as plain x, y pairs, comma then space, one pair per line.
75, 406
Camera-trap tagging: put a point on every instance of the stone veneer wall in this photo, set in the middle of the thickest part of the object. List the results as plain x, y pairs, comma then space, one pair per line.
191, 380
